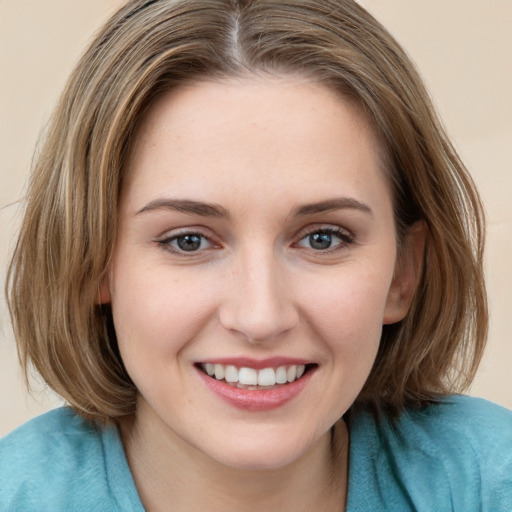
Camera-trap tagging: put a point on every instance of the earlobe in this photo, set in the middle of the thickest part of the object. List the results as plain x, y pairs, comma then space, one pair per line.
104, 290
408, 270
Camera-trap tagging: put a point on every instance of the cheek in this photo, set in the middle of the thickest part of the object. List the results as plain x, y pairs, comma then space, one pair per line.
347, 310
156, 312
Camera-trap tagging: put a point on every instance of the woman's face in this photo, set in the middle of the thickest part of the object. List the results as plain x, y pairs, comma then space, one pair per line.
256, 241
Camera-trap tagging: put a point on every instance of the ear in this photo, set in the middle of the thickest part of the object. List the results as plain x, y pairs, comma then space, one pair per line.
408, 269
104, 290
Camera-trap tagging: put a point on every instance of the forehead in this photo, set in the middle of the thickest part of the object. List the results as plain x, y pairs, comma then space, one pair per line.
203, 136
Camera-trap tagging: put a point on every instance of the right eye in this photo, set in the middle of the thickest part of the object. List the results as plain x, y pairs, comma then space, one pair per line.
183, 243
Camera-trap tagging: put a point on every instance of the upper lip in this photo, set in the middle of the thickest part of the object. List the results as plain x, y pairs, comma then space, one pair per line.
257, 364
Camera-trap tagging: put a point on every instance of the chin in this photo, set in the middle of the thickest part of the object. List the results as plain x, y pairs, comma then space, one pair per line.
262, 453
247, 460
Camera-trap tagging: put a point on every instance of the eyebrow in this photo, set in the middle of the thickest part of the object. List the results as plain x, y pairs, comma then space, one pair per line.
186, 206
215, 210
337, 203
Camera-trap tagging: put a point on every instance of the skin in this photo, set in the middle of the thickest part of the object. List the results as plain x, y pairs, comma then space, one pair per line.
259, 150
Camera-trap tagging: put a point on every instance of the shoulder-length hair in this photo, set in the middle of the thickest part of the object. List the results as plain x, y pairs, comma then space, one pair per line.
149, 47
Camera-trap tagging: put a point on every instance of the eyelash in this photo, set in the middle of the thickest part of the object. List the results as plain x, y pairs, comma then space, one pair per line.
166, 242
346, 239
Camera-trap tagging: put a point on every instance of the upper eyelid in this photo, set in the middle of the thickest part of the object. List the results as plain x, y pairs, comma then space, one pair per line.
333, 228
172, 234
176, 232
205, 232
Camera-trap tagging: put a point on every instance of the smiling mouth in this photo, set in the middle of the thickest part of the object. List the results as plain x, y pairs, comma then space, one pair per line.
253, 379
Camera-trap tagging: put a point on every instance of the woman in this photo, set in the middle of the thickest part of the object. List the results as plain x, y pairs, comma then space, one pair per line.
251, 263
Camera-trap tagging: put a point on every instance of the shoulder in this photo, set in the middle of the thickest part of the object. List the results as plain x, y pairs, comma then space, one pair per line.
472, 439
465, 431
474, 422
460, 446
48, 435
54, 462
61, 420
51, 436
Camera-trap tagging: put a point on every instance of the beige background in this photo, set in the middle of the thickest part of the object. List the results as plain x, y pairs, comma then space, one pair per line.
462, 47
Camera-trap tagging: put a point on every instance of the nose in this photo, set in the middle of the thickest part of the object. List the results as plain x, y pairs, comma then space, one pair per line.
258, 303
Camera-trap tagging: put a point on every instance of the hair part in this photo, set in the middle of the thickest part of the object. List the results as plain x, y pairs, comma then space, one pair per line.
149, 47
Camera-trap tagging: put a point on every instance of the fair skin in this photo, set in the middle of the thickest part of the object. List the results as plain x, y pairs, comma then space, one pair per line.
256, 230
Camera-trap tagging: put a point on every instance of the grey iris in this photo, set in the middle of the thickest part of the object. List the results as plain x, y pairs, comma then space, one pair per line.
320, 240
189, 242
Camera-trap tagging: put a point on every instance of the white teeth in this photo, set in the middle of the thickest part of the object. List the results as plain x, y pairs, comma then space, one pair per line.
219, 371
267, 377
281, 375
248, 376
291, 373
231, 374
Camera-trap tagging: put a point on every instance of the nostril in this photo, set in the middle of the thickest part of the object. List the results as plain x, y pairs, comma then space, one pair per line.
258, 308
257, 327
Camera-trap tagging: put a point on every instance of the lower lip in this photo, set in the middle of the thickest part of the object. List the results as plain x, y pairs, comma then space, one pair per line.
256, 400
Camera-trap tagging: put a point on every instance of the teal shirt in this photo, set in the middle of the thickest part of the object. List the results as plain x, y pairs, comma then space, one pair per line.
452, 456
455, 455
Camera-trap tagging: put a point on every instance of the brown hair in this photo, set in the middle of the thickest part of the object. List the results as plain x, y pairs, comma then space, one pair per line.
147, 47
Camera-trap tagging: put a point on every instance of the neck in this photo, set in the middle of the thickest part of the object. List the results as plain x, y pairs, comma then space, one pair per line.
167, 470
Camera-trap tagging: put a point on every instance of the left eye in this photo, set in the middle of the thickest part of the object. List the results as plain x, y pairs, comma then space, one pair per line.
187, 242
324, 239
